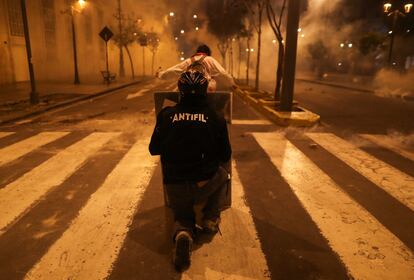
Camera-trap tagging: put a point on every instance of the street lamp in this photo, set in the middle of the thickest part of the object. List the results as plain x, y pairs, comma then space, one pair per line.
396, 13
71, 11
34, 96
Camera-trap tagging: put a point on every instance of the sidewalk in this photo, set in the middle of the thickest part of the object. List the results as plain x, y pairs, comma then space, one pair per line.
15, 98
366, 84
263, 102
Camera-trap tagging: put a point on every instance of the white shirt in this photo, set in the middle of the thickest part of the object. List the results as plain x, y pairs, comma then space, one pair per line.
213, 68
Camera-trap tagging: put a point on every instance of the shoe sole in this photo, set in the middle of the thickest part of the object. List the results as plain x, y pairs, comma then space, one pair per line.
182, 254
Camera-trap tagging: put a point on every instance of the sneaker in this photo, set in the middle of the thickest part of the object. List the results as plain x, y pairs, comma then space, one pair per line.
211, 226
182, 254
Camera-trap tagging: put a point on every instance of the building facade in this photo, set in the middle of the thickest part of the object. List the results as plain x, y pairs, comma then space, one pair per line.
50, 27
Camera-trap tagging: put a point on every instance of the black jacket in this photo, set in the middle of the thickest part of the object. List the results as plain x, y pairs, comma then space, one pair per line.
192, 140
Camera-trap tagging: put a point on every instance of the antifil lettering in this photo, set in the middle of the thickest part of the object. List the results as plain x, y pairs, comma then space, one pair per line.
189, 117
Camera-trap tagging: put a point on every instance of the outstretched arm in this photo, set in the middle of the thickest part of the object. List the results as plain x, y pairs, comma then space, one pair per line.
174, 71
218, 70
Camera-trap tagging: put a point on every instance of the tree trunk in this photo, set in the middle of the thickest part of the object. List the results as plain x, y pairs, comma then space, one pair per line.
153, 62
121, 54
239, 62
248, 60
259, 48
279, 72
130, 61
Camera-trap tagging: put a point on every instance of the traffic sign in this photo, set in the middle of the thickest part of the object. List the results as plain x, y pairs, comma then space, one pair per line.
106, 34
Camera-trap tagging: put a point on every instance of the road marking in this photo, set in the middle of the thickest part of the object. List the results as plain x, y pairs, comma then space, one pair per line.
18, 196
172, 87
390, 179
251, 122
4, 134
21, 148
387, 142
237, 253
92, 243
366, 247
138, 94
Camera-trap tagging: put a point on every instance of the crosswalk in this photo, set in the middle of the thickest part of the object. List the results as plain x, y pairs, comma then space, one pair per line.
91, 245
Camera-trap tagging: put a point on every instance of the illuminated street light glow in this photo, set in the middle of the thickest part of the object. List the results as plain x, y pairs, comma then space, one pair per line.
182, 53
182, 58
194, 16
350, 45
390, 32
197, 28
182, 31
407, 8
342, 45
387, 7
300, 29
171, 14
247, 50
176, 38
303, 35
251, 50
274, 41
82, 3
339, 63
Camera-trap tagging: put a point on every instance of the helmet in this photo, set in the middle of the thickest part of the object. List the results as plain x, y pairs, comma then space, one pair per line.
193, 84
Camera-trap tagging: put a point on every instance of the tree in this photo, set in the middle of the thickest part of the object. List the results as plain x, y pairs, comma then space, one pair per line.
319, 54
153, 43
120, 18
224, 22
370, 42
129, 35
275, 23
256, 8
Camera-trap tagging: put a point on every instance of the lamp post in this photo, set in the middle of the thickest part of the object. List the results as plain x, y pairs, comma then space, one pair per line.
71, 12
394, 11
34, 97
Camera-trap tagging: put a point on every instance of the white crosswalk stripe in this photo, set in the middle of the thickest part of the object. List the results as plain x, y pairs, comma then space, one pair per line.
368, 249
217, 261
4, 134
18, 196
21, 148
89, 248
390, 179
93, 241
251, 122
137, 94
387, 142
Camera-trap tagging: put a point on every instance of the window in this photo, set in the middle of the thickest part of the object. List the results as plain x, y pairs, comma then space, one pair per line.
15, 18
49, 22
88, 28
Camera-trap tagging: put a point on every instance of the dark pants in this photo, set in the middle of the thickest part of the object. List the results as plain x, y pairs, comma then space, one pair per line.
183, 196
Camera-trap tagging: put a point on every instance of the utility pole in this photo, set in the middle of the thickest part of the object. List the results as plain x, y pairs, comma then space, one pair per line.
289, 69
34, 97
121, 55
75, 53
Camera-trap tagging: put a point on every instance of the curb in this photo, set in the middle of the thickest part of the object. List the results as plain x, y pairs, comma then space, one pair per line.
405, 98
67, 103
335, 85
304, 118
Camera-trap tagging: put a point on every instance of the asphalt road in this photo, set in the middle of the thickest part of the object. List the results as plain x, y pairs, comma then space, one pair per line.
81, 198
